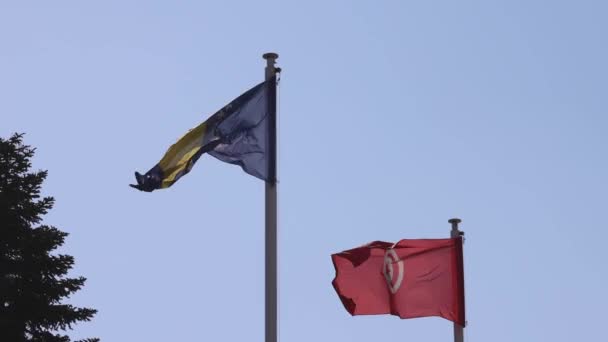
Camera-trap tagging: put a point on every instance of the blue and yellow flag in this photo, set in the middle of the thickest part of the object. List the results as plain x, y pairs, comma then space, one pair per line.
238, 134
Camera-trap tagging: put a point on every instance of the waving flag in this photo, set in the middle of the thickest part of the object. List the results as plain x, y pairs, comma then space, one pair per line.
412, 278
236, 134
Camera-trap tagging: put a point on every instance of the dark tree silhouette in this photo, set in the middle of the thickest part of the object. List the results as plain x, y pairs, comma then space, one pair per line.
33, 280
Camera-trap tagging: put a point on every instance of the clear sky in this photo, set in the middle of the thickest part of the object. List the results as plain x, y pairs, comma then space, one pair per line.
394, 117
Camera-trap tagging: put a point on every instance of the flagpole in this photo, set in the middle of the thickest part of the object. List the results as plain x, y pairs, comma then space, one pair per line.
271, 302
454, 233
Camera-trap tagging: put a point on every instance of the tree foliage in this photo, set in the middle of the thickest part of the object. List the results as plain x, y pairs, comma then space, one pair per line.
33, 279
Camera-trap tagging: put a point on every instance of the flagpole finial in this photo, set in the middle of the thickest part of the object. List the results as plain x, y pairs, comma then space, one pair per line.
270, 55
454, 221
271, 70
455, 231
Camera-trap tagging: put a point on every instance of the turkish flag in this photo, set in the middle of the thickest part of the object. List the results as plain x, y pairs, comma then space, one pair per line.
412, 278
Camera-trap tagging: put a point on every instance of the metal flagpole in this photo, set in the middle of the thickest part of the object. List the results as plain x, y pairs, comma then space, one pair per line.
454, 233
271, 302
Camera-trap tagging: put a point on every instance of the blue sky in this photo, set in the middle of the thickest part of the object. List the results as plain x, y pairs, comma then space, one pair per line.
394, 117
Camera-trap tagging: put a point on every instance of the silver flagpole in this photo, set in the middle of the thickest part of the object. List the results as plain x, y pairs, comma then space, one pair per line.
454, 233
271, 302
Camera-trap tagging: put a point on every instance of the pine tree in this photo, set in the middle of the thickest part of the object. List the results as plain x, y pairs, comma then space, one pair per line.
33, 280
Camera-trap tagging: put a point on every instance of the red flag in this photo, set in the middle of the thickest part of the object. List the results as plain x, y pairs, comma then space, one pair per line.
412, 278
